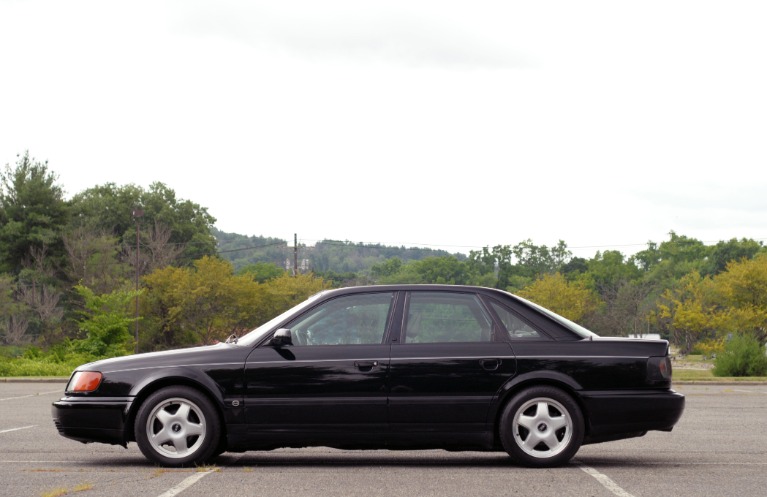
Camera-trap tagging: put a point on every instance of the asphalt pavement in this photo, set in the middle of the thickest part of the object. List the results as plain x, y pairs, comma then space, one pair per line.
718, 448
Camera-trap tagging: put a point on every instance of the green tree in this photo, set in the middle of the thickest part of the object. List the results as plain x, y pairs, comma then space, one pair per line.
262, 271
648, 258
280, 294
742, 292
94, 260
198, 305
492, 262
166, 224
14, 316
208, 302
33, 214
446, 270
443, 270
685, 311
672, 259
573, 300
617, 281
574, 267
518, 266
106, 324
609, 272
732, 250
162, 306
537, 260
386, 269
625, 313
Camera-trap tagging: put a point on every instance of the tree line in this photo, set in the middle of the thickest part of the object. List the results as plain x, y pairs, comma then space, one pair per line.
72, 272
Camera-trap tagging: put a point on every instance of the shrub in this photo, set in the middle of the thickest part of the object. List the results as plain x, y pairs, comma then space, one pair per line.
35, 367
11, 351
709, 348
59, 360
743, 355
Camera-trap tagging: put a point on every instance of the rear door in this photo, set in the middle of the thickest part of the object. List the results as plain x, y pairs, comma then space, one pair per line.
447, 366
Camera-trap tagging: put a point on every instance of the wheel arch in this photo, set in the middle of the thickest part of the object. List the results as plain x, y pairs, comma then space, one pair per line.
177, 377
539, 378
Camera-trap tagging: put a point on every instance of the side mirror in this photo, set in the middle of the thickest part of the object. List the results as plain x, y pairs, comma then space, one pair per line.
281, 337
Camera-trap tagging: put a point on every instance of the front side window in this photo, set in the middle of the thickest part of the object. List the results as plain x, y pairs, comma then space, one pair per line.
346, 320
446, 317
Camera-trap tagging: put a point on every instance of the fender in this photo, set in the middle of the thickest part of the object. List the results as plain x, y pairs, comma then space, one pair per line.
187, 375
518, 382
536, 378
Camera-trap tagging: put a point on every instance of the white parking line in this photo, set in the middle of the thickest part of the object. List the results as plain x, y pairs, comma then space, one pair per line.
185, 483
36, 461
31, 395
17, 429
605, 481
749, 391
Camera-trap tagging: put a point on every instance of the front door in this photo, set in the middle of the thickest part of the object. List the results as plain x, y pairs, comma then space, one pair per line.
330, 382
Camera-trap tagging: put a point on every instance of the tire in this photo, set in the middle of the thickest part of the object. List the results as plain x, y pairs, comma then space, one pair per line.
541, 427
178, 426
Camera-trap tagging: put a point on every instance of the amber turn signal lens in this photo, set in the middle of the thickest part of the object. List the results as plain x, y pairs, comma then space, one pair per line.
84, 381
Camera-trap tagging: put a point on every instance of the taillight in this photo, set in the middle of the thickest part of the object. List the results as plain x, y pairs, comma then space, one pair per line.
84, 382
659, 368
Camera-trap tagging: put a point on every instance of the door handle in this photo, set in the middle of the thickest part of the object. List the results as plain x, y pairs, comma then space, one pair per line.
366, 365
490, 364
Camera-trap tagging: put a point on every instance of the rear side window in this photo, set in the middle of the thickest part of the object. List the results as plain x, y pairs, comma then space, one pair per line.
446, 317
517, 328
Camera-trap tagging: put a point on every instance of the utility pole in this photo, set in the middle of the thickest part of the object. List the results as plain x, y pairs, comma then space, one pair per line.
295, 254
138, 213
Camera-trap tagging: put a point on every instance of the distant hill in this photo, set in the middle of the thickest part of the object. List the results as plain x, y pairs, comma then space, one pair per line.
326, 256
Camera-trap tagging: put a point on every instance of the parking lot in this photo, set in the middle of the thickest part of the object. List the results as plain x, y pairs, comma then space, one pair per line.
718, 448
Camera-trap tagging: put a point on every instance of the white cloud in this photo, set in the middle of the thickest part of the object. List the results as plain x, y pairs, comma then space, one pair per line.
600, 123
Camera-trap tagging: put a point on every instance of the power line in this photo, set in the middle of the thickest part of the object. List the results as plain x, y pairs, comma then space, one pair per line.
254, 247
444, 247
414, 246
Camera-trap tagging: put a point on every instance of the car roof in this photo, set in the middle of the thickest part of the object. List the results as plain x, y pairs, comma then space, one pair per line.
413, 286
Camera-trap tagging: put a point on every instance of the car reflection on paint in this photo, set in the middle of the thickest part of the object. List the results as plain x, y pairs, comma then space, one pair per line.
398, 367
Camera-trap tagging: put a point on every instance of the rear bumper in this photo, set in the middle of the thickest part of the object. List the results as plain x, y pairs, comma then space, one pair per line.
85, 420
612, 415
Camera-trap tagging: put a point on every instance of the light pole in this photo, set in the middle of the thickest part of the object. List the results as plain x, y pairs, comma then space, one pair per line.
138, 213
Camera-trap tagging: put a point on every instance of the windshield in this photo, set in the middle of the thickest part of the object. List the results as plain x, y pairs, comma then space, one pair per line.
256, 335
575, 327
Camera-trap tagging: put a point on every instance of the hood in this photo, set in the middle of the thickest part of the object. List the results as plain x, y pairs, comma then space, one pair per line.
221, 352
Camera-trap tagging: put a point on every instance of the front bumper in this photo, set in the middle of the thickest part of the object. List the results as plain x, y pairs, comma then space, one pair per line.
88, 420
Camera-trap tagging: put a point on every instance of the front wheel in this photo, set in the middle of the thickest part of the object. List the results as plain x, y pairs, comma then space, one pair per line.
177, 426
541, 427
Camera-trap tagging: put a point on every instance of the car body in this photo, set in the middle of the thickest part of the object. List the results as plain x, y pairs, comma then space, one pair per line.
394, 366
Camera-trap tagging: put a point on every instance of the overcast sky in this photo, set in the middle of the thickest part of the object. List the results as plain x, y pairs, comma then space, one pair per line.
447, 124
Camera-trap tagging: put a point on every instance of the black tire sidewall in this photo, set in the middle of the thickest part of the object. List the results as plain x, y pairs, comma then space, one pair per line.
212, 424
506, 428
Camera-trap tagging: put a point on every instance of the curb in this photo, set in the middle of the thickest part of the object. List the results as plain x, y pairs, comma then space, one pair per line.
21, 379
724, 383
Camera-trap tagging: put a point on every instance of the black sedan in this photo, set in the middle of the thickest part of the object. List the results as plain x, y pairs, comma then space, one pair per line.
397, 367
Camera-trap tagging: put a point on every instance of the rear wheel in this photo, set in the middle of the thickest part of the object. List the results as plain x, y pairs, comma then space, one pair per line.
541, 427
178, 426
